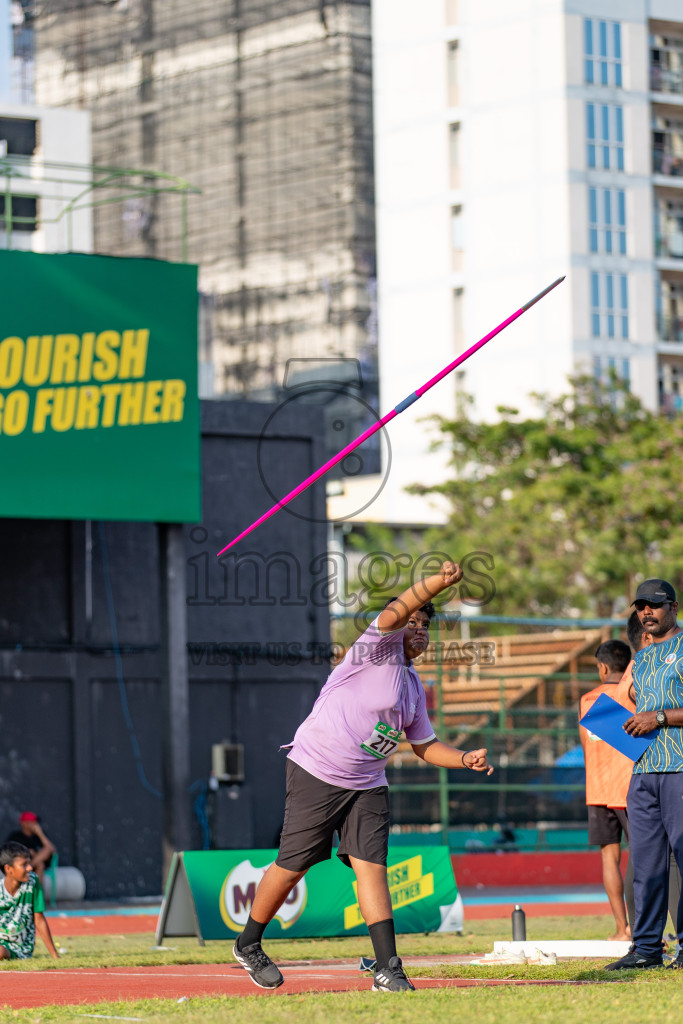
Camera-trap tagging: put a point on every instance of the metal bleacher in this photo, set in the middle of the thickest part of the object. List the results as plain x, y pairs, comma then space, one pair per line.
517, 694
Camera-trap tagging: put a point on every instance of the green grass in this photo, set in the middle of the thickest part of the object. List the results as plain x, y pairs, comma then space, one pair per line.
630, 997
130, 950
632, 1001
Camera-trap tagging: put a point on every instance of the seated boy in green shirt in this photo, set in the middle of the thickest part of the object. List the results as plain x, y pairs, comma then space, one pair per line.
22, 905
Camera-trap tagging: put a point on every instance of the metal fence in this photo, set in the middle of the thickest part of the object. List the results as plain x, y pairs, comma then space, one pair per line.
537, 781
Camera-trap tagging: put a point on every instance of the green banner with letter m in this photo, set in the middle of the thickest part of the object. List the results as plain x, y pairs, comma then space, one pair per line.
209, 894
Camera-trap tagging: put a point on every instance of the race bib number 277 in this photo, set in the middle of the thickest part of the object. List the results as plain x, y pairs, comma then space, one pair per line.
382, 742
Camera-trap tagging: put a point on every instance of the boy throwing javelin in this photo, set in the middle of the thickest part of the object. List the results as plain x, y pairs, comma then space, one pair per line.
336, 779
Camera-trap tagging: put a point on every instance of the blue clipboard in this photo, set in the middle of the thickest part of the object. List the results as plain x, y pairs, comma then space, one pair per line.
606, 719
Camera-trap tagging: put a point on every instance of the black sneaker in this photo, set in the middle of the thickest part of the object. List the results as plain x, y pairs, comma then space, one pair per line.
392, 978
634, 960
261, 968
677, 963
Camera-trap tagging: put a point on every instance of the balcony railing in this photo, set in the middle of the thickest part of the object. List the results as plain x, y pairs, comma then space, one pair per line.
666, 80
666, 161
670, 328
669, 241
670, 403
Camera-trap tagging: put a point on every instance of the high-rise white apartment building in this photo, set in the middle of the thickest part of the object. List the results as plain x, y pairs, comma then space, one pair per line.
517, 141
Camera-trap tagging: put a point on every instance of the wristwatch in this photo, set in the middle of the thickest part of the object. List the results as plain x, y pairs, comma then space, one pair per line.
661, 718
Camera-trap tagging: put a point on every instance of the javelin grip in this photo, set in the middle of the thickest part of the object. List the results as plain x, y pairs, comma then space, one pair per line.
406, 402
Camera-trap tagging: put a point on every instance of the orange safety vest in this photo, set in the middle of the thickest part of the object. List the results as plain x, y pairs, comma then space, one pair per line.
608, 773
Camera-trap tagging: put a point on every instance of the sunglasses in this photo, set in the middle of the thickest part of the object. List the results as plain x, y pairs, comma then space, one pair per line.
640, 605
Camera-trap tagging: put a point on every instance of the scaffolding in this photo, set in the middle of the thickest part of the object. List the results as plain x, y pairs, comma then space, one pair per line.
69, 188
266, 107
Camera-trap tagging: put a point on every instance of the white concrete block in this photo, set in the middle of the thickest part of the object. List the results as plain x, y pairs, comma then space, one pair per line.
567, 947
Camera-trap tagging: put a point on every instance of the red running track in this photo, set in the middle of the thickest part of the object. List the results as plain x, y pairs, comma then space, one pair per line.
87, 985
130, 924
499, 910
102, 924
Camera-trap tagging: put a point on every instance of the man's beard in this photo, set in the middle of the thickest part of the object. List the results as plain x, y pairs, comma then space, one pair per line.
659, 628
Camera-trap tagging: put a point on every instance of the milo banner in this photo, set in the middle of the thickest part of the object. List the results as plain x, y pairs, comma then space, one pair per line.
99, 411
209, 894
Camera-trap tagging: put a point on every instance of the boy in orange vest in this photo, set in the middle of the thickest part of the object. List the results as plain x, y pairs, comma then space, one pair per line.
608, 774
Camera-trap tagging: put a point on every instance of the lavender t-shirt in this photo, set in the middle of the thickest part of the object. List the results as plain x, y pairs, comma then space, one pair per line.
372, 684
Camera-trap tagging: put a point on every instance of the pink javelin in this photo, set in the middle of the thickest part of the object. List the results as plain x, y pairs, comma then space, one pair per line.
389, 416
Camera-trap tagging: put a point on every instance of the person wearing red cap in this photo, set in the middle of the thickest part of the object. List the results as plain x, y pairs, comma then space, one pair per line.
31, 835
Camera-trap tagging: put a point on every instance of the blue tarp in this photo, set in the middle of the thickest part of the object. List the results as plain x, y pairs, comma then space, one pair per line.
572, 758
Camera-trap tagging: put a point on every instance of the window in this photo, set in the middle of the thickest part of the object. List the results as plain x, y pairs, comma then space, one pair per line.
669, 228
607, 221
20, 134
666, 64
23, 213
453, 74
458, 320
454, 154
671, 388
602, 52
605, 137
669, 306
609, 370
667, 146
609, 305
606, 368
457, 238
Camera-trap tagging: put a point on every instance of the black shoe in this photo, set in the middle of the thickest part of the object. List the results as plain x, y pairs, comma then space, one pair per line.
677, 963
261, 968
392, 978
635, 960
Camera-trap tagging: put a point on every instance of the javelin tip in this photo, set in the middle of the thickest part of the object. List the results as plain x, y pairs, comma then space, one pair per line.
537, 298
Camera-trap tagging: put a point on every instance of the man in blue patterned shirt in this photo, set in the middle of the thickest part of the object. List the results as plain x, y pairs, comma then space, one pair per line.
655, 796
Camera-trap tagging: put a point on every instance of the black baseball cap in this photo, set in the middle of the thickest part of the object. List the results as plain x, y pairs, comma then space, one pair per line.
657, 591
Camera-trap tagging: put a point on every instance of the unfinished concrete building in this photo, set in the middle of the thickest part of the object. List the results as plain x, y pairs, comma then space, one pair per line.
266, 106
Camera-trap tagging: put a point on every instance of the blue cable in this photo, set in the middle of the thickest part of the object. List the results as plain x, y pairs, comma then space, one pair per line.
119, 668
201, 812
200, 802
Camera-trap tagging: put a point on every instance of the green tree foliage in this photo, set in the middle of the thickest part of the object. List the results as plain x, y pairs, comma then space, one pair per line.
576, 504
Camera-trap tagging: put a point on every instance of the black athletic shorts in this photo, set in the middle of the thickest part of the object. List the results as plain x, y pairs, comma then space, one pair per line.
606, 824
315, 810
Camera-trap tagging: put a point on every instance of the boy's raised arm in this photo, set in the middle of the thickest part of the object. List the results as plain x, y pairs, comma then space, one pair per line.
396, 614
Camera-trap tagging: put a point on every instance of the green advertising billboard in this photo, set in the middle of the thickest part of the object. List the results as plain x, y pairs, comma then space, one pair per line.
210, 893
99, 410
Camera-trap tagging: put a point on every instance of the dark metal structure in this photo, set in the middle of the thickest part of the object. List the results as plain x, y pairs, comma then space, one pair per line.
90, 734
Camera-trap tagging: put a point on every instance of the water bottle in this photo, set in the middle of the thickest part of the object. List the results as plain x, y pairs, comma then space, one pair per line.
518, 924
